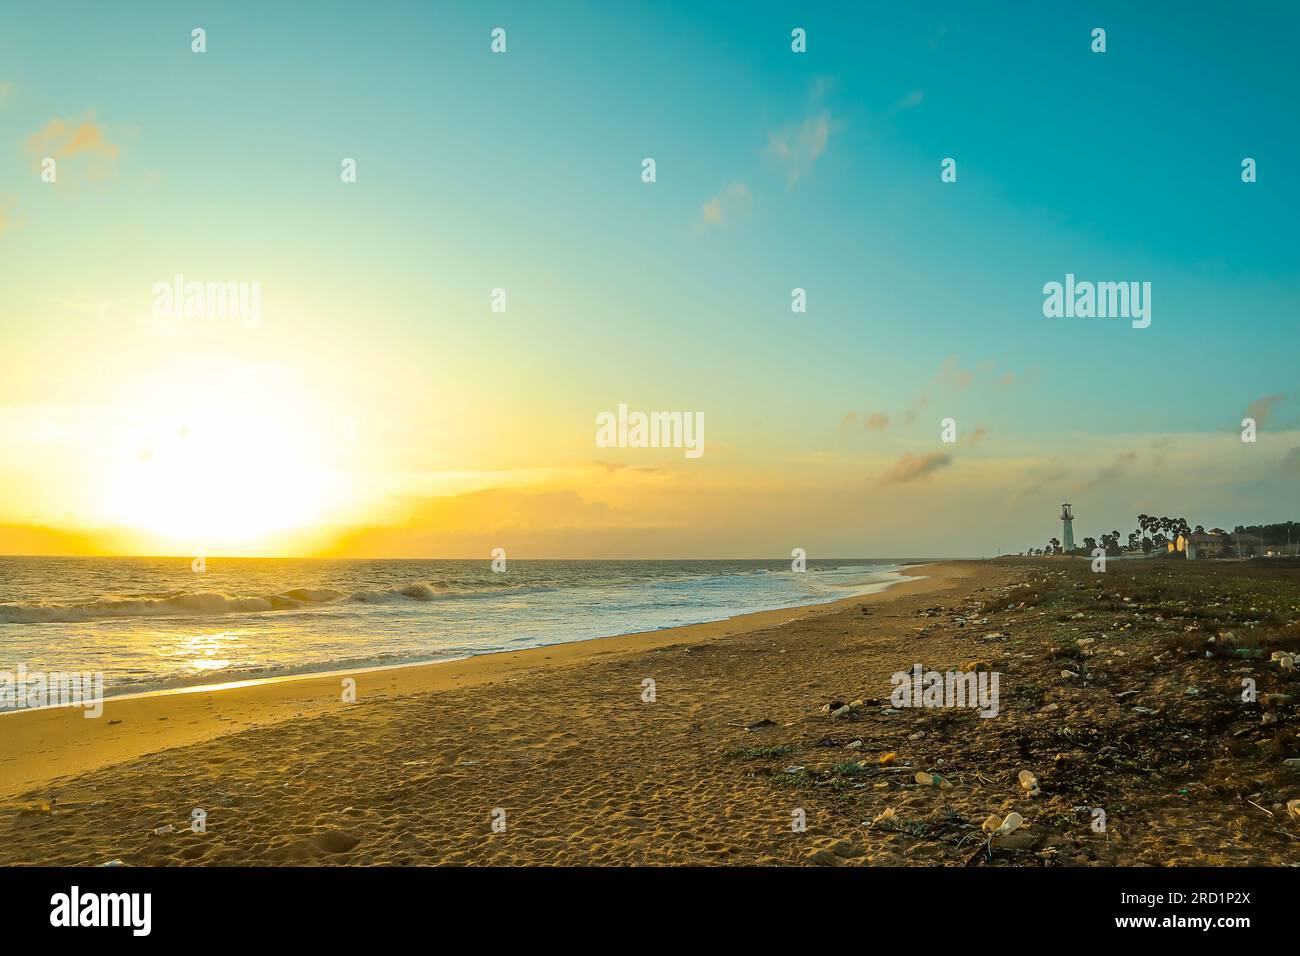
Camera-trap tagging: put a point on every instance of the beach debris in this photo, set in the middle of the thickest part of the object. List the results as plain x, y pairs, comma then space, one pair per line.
884, 816
1292, 764
932, 780
1277, 700
854, 745
844, 711
1143, 710
113, 862
1192, 692
1068, 674
979, 664
164, 830
39, 808
759, 725
887, 760
793, 770
1293, 809
1012, 822
832, 706
1029, 783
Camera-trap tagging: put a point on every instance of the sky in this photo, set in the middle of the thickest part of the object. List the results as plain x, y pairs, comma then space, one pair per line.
380, 407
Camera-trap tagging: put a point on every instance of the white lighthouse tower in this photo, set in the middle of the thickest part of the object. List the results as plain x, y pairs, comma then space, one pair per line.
1067, 520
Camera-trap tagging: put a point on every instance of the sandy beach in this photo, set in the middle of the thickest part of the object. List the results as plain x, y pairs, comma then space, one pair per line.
561, 749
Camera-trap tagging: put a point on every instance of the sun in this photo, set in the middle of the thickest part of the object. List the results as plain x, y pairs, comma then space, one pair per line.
227, 470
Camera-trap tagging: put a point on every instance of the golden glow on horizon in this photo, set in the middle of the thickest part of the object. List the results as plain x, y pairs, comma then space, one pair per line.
228, 458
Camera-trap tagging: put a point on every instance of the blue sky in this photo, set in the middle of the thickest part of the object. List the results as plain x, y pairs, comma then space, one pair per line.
522, 170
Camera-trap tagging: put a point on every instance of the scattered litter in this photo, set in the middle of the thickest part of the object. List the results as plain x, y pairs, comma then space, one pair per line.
932, 780
1011, 824
1029, 783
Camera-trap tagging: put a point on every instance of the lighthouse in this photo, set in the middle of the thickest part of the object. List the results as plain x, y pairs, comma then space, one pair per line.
1067, 521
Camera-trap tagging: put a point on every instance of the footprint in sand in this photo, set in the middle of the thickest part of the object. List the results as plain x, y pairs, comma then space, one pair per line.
336, 841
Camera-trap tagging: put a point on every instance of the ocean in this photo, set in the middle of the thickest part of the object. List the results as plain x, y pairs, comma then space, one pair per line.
153, 623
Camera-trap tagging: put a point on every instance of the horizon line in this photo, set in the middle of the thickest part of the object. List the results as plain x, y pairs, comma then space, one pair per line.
297, 557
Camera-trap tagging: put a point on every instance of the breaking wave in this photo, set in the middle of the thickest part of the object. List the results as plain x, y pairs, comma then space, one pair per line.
214, 603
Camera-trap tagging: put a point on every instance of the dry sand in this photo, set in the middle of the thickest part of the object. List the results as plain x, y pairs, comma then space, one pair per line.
587, 772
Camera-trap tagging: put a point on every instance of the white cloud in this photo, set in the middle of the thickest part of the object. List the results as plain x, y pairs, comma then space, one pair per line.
722, 208
797, 148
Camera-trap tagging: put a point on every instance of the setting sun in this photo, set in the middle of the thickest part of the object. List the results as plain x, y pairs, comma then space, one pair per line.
222, 458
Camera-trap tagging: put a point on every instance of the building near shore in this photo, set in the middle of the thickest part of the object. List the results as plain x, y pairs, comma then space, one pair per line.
1225, 544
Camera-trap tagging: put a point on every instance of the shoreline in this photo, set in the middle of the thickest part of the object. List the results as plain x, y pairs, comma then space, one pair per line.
336, 669
45, 744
